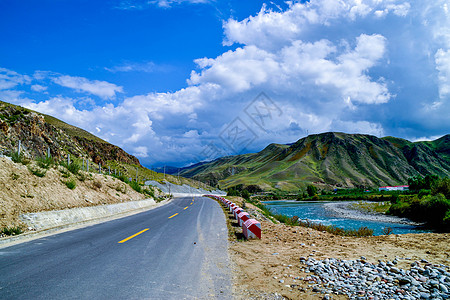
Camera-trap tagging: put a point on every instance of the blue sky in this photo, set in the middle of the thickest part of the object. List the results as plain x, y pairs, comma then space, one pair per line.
179, 81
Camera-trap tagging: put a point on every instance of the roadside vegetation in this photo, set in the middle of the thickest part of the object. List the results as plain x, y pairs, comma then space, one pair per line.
13, 230
74, 170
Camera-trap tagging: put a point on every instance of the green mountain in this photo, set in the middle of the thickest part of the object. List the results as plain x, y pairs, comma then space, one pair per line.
329, 159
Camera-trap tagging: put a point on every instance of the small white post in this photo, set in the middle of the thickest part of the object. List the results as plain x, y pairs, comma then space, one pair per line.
99, 167
48, 152
20, 144
68, 159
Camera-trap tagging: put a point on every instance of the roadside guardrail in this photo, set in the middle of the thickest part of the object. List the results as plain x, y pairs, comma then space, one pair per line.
251, 228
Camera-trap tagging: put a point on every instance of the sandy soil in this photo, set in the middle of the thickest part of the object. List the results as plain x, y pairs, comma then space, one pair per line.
261, 264
21, 191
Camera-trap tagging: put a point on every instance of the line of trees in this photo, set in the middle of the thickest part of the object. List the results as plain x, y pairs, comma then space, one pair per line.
430, 202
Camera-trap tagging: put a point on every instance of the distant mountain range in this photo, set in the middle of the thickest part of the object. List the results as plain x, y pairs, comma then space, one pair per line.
331, 159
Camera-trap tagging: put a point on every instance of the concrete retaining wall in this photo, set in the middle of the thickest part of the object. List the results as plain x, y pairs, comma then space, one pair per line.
57, 218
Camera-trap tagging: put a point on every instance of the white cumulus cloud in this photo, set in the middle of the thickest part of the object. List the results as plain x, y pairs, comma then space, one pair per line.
442, 59
99, 88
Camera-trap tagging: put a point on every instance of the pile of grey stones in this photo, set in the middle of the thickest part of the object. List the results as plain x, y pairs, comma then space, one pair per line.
359, 279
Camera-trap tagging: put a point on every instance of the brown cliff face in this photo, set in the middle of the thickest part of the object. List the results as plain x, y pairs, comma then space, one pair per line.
38, 133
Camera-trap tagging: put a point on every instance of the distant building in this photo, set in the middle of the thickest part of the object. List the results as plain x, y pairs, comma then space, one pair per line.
394, 188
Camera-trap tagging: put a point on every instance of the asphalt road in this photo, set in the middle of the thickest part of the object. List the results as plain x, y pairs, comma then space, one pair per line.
176, 251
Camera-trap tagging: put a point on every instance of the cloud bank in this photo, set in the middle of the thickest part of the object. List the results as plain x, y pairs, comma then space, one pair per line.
378, 67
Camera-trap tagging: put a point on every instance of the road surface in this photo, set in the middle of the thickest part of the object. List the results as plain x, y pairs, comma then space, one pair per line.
176, 251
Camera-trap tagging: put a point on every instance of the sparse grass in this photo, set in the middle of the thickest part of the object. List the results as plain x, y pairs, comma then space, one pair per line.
123, 178
14, 176
97, 184
81, 176
371, 207
37, 171
65, 173
19, 158
387, 230
71, 184
13, 230
45, 162
120, 187
360, 232
73, 167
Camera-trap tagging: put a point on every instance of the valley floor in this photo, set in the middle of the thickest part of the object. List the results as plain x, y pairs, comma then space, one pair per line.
270, 268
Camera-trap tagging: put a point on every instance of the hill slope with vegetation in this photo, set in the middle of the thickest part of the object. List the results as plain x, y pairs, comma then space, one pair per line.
40, 135
329, 159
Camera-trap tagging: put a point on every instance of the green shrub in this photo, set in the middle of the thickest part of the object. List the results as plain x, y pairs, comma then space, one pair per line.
442, 187
233, 192
245, 194
432, 209
311, 190
123, 178
136, 186
149, 192
71, 184
14, 230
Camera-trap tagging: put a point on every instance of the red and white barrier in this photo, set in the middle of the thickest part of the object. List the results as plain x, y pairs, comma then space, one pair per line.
251, 229
242, 217
237, 211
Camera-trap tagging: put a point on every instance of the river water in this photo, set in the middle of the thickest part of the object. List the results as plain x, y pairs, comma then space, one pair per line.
338, 214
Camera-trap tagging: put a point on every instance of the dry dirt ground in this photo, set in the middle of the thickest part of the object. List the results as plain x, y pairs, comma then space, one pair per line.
261, 264
23, 192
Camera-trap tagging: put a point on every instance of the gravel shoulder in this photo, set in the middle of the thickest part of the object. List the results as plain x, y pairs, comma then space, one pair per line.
270, 268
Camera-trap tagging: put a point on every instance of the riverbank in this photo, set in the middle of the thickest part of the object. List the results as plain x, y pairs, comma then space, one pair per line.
347, 210
271, 266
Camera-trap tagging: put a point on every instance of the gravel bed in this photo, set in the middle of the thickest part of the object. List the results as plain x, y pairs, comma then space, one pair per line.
359, 279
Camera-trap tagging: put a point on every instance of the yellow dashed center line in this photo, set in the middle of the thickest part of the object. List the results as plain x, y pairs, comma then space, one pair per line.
186, 207
134, 235
192, 203
173, 215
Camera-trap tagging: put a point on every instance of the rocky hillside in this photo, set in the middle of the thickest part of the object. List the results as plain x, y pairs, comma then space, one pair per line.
330, 159
38, 132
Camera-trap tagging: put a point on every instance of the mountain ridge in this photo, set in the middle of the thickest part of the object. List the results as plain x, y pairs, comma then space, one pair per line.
333, 159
